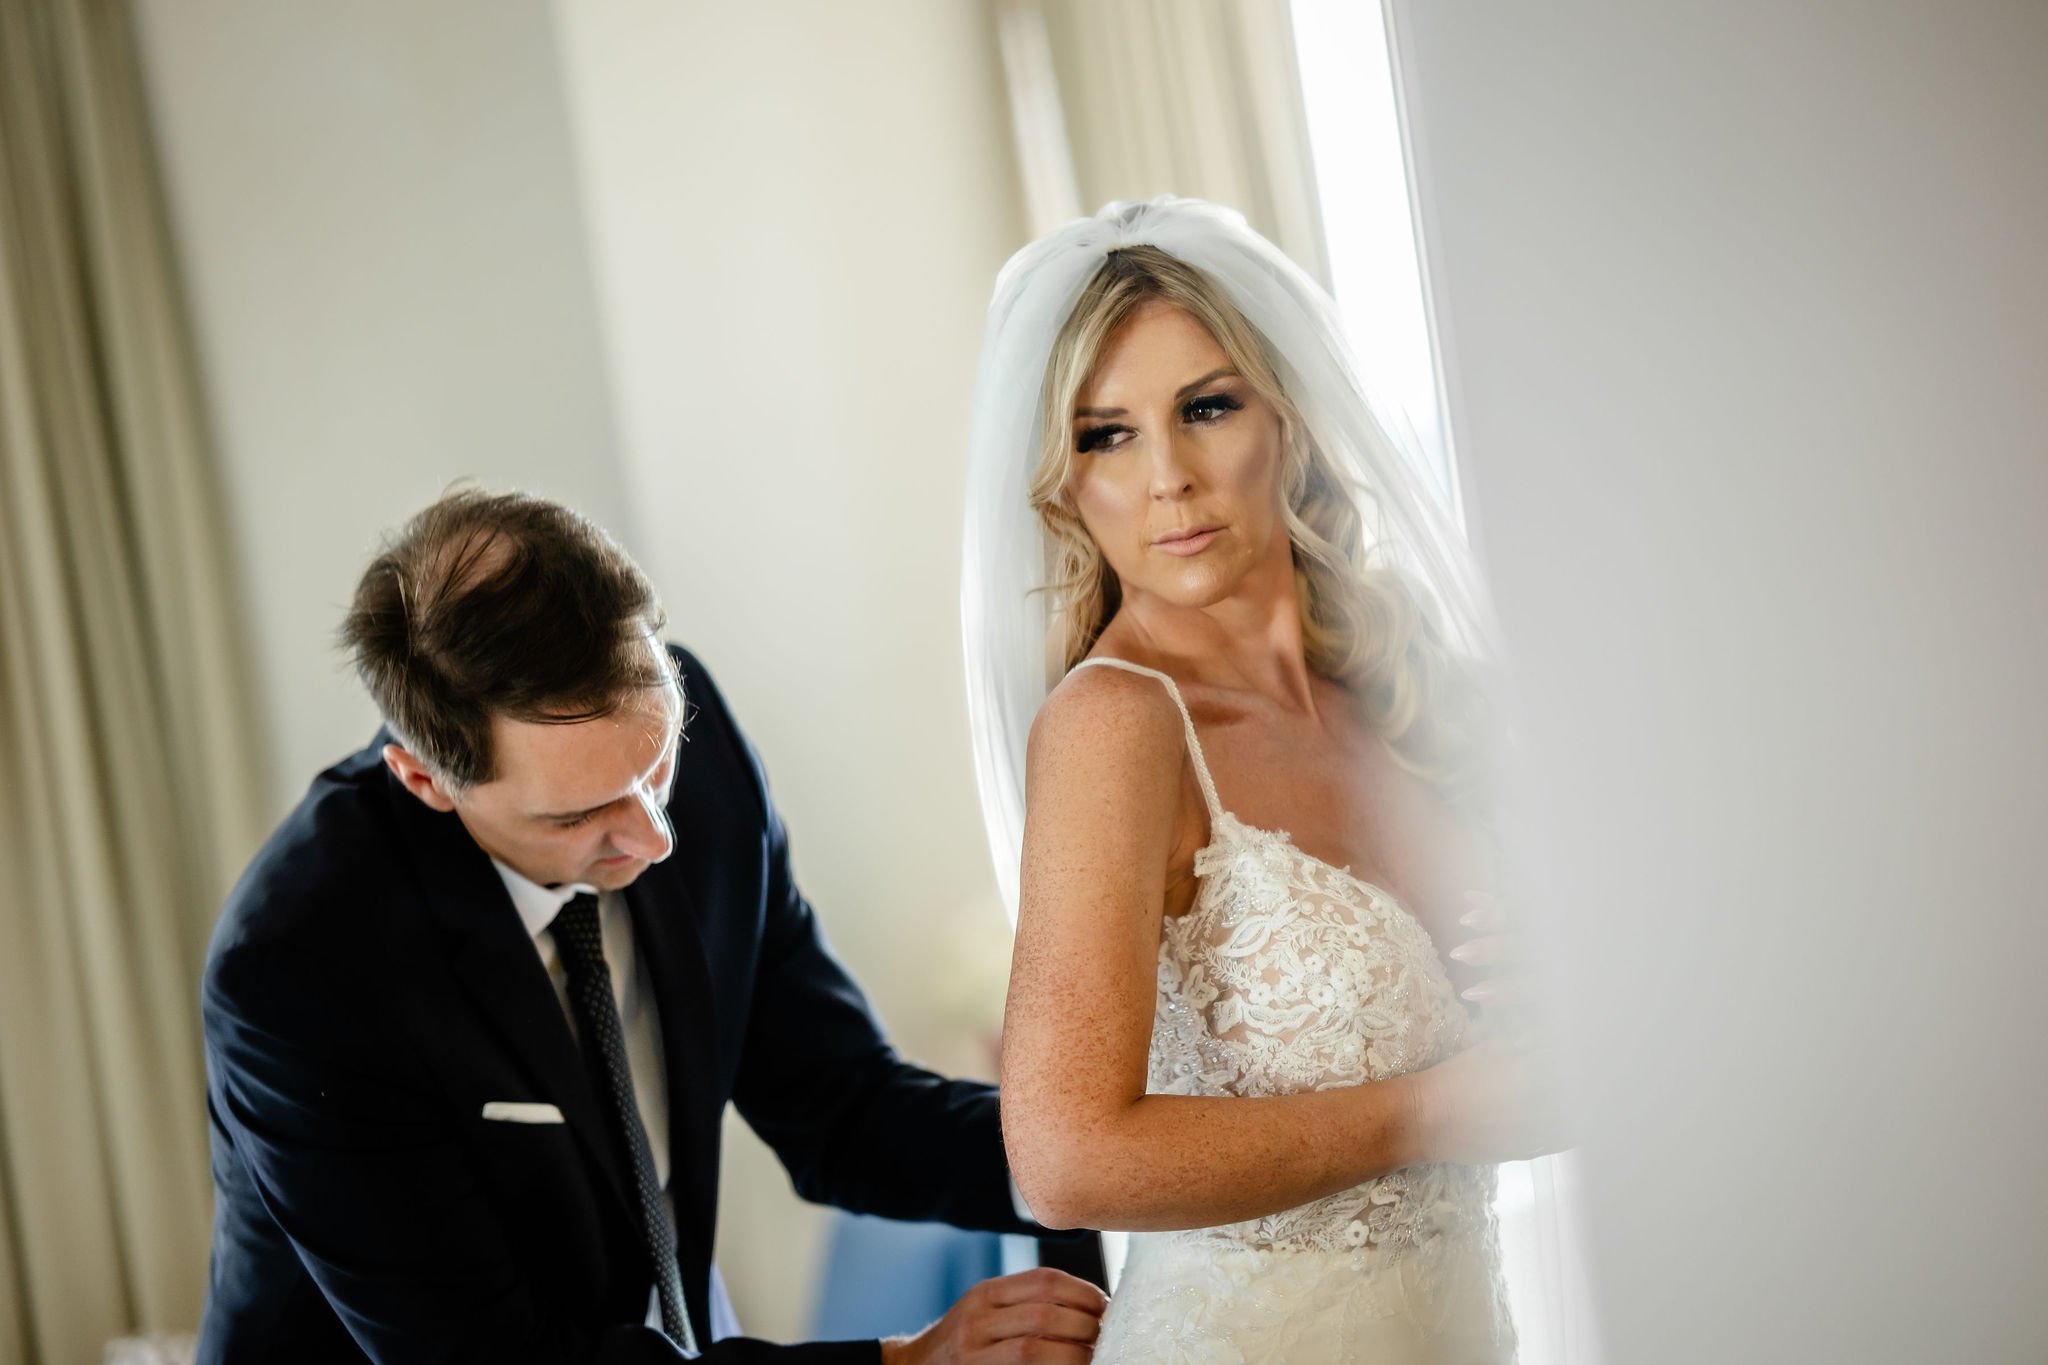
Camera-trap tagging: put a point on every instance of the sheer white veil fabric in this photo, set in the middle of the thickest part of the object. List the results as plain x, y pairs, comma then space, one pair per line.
1011, 665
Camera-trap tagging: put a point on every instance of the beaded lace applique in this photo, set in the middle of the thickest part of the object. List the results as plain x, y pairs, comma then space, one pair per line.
1289, 975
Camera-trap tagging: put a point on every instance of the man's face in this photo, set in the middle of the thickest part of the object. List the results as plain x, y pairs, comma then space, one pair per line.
581, 802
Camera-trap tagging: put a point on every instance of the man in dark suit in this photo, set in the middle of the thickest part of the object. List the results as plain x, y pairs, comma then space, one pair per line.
474, 1012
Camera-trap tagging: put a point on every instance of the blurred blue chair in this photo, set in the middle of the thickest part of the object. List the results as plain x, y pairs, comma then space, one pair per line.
883, 1278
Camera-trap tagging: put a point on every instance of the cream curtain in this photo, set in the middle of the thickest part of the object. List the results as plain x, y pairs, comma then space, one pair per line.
128, 773
1125, 99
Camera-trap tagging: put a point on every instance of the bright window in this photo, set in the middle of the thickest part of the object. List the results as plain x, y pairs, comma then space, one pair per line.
1369, 219
1369, 227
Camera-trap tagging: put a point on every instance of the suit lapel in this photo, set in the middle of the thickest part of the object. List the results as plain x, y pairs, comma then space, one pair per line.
495, 961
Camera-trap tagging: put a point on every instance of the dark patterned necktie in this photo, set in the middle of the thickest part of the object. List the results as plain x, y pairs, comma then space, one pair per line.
581, 945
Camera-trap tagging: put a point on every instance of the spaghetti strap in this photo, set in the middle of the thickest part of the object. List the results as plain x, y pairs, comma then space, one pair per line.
1187, 723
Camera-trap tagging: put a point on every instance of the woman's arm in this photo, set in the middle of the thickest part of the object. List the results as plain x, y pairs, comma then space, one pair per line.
1107, 779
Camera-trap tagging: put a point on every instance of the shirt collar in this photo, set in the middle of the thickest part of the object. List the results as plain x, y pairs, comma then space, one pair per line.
537, 905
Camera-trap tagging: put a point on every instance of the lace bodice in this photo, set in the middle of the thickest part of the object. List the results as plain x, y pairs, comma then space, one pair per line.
1289, 975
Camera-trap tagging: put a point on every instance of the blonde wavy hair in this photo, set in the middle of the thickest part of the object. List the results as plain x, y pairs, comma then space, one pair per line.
1363, 625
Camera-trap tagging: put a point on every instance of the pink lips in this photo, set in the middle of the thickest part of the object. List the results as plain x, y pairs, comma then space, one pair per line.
1189, 542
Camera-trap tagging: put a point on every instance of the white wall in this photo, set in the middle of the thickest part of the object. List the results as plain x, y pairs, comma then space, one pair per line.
376, 217
1746, 315
798, 211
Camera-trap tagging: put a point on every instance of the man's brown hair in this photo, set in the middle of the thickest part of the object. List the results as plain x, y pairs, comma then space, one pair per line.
498, 604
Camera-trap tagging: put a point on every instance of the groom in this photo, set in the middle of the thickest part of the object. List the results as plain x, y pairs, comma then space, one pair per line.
475, 1011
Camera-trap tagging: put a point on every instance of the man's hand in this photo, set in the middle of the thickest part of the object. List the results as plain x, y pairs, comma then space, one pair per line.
1038, 1315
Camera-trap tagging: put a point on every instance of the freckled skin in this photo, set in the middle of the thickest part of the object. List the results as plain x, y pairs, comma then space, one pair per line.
1115, 815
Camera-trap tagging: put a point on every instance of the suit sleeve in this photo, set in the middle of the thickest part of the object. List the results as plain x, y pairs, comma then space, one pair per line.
854, 1124
358, 1167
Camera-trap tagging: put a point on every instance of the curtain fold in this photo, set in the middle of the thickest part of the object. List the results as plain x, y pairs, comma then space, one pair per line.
1195, 97
129, 793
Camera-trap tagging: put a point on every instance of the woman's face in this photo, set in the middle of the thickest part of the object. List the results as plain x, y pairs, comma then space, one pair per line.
1177, 462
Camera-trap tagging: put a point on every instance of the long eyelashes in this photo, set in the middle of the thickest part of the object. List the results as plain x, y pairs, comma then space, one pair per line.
1095, 438
1208, 407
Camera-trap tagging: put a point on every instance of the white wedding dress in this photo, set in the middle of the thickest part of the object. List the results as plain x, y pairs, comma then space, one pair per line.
1290, 975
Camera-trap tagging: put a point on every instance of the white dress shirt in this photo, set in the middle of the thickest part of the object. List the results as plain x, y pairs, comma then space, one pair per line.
631, 988
638, 1014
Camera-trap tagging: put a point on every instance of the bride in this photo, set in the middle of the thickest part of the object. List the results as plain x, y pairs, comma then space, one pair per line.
1224, 659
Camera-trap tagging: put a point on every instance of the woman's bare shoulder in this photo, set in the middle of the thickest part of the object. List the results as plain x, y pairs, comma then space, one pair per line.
1102, 724
1105, 798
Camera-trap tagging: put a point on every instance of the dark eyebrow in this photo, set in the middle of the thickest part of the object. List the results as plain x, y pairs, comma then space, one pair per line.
1183, 391
1225, 373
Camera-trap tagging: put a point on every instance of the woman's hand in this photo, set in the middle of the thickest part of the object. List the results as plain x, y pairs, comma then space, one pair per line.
1494, 952
1493, 1102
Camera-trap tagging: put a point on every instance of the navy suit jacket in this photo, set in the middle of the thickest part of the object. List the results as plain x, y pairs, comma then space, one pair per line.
370, 988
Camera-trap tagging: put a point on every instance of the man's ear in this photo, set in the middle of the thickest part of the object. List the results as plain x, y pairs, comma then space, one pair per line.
406, 767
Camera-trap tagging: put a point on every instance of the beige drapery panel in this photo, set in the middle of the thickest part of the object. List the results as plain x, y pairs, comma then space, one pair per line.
1126, 99
128, 772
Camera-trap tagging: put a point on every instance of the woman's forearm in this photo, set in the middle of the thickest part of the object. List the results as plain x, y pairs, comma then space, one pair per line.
1165, 1162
